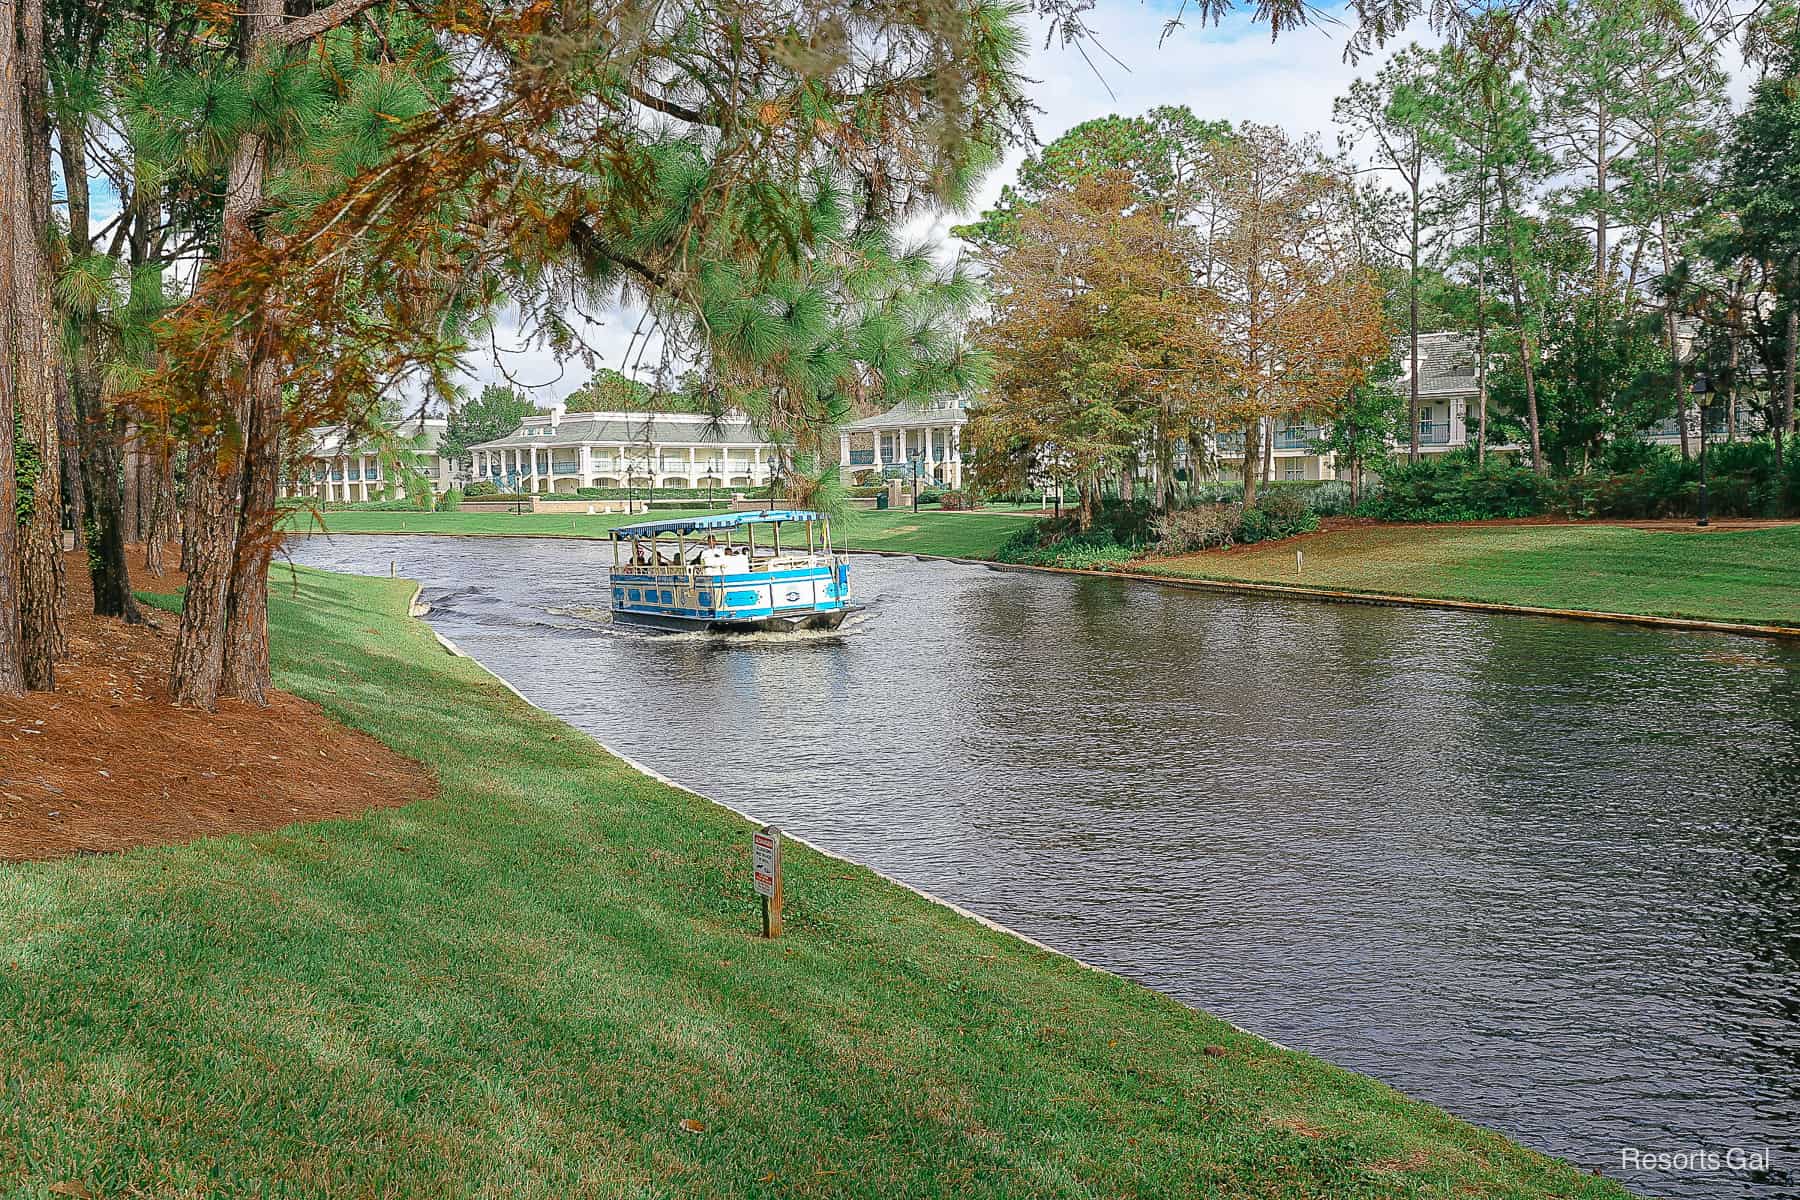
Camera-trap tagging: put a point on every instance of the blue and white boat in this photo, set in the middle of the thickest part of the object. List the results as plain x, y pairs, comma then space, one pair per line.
712, 574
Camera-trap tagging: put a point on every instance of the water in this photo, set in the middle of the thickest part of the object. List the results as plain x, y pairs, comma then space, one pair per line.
1545, 874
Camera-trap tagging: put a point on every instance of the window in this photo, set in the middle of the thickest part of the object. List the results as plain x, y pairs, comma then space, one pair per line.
1294, 470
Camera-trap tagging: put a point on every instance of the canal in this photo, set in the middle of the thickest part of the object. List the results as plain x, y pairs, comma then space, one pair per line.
1542, 873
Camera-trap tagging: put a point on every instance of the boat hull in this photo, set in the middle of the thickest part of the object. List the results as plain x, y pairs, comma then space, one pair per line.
779, 623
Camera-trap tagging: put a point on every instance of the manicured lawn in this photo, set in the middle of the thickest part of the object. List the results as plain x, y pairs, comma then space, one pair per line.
1750, 576
930, 531
543, 983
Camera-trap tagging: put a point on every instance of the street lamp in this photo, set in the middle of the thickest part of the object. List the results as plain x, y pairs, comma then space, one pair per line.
1703, 388
712, 475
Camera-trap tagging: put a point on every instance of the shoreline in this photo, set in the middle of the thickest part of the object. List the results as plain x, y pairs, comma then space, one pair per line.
1244, 586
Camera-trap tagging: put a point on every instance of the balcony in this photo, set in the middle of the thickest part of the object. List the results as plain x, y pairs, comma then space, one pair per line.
862, 458
356, 477
1230, 443
565, 468
1297, 437
1434, 433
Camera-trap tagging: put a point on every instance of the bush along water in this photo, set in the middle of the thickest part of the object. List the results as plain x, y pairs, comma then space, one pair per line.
1278, 513
1122, 531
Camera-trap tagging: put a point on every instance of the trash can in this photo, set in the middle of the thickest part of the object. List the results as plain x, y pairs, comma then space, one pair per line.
881, 500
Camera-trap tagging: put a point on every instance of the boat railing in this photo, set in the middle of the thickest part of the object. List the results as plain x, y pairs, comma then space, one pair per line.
698, 572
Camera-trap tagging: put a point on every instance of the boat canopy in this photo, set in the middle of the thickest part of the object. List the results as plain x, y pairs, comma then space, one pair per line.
734, 520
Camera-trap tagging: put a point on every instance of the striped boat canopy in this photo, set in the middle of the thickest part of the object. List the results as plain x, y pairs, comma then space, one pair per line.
734, 520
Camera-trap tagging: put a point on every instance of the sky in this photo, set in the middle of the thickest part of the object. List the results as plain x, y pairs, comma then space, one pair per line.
1232, 72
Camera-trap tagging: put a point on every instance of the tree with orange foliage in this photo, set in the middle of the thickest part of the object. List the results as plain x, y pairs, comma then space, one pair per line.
1298, 314
1102, 339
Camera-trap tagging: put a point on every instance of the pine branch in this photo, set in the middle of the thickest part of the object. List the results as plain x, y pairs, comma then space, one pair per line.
323, 20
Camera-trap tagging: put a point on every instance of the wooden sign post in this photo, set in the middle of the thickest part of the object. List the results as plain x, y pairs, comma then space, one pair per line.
765, 864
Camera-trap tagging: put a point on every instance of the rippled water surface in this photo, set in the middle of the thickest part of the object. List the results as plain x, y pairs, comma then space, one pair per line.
1542, 873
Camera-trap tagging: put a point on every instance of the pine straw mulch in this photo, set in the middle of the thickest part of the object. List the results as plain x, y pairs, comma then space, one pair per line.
107, 762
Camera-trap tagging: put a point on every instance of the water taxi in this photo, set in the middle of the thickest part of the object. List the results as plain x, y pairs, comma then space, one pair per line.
711, 574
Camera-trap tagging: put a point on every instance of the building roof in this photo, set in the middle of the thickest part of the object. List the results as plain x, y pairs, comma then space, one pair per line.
1446, 364
909, 416
628, 429
330, 441
735, 520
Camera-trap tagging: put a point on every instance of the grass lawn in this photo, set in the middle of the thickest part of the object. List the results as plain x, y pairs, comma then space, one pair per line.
543, 983
1752, 575
930, 531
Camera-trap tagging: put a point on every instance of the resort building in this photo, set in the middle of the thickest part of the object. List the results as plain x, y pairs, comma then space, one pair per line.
560, 452
338, 464
886, 444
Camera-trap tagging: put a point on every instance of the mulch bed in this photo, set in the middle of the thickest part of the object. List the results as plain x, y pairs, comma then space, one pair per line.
106, 762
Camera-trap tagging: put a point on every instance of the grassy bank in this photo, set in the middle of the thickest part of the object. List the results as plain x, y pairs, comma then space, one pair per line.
1746, 576
930, 531
544, 982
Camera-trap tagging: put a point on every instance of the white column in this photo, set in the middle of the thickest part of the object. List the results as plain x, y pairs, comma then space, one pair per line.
875, 436
954, 451
844, 452
692, 474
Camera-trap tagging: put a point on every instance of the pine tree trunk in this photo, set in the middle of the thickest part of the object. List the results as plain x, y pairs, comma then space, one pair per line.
215, 488
247, 615
157, 494
1412, 333
103, 470
34, 349
12, 199
1526, 364
68, 437
96, 434
223, 638
1481, 364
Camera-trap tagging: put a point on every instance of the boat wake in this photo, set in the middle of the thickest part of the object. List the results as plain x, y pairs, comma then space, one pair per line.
854, 625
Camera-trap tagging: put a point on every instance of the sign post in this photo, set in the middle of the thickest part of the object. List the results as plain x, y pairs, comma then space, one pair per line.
765, 865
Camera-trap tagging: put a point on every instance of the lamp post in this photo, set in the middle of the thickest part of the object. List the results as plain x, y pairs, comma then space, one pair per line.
712, 475
1703, 388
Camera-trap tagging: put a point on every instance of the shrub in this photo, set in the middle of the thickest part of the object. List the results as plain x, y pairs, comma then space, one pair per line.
1208, 527
1450, 487
1276, 514
480, 488
450, 501
956, 500
1330, 499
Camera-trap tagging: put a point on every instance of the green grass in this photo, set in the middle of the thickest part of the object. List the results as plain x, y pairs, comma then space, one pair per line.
523, 987
930, 531
1748, 576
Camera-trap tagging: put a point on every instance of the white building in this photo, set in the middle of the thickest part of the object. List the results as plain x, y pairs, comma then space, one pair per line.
338, 464
1447, 393
559, 452
887, 443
